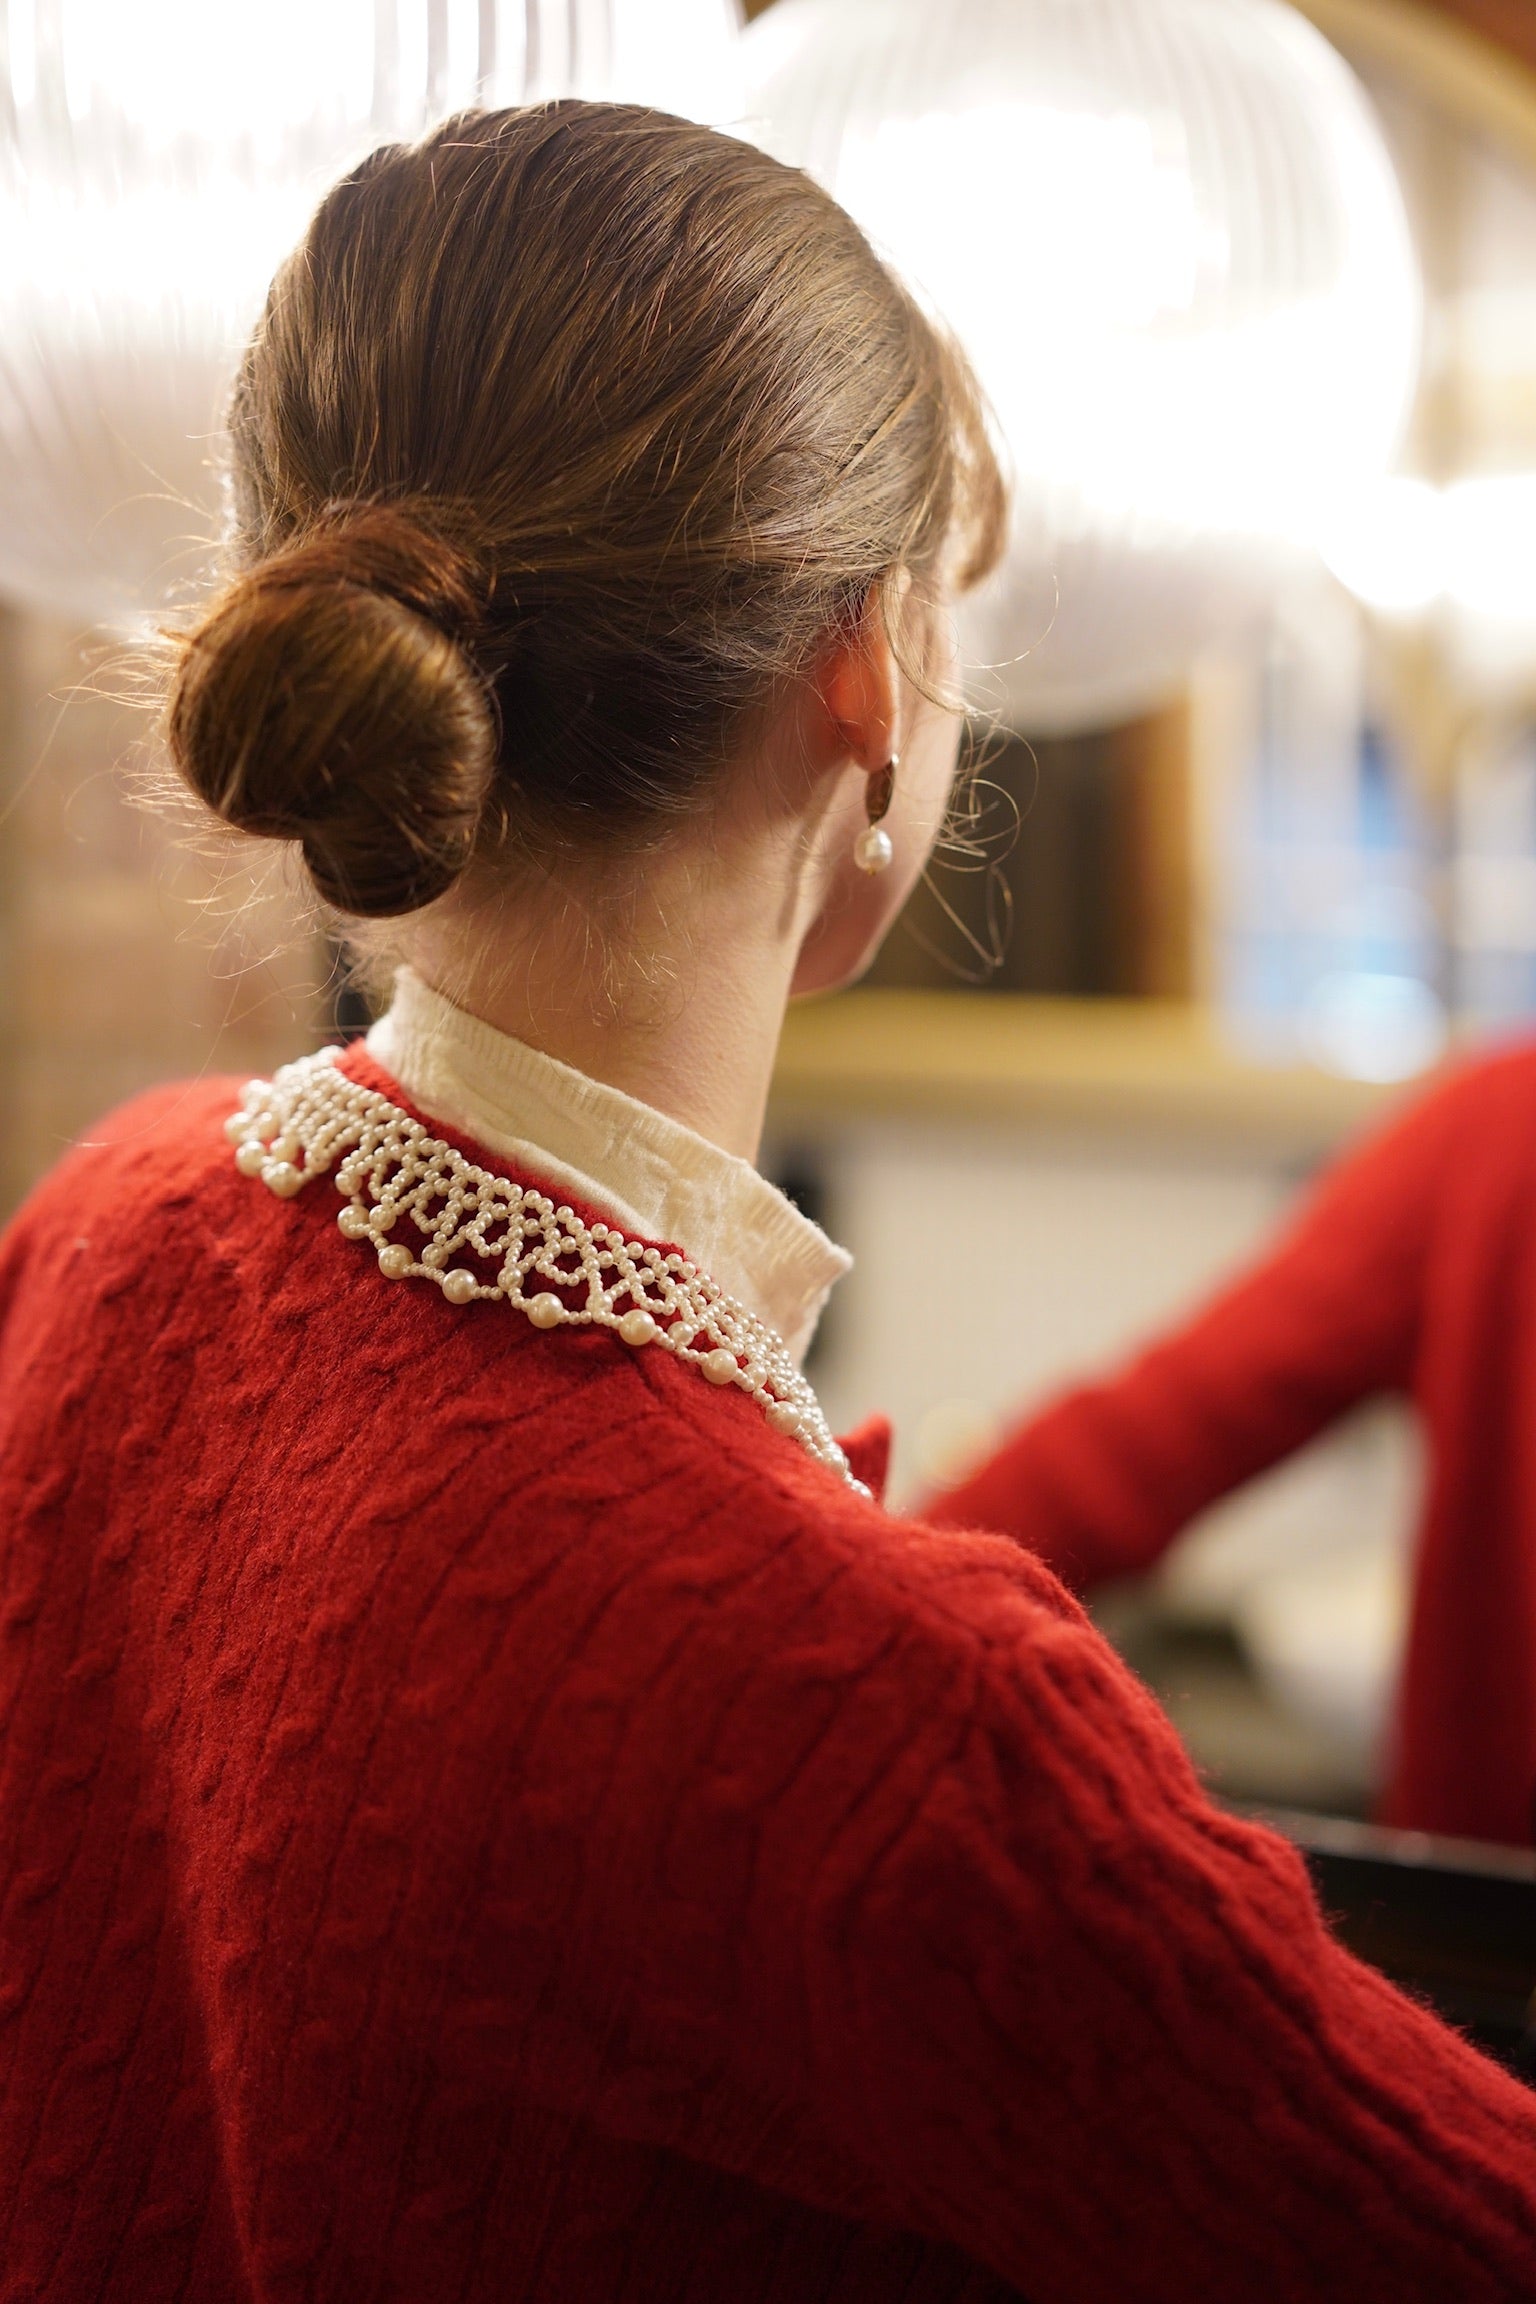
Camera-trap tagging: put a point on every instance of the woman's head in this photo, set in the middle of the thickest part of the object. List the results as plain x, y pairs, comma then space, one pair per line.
569, 439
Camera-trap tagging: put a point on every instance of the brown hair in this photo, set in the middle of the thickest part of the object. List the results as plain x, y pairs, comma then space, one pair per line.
565, 436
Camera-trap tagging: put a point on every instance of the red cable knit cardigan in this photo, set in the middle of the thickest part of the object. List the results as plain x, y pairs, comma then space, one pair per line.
1413, 1270
485, 1818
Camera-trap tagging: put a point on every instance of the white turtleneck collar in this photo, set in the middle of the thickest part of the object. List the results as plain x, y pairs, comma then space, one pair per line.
648, 1173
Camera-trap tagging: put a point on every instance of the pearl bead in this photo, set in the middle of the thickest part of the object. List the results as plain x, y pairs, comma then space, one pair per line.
251, 1158
354, 1223
872, 851
284, 1147
682, 1334
459, 1287
281, 1177
546, 1311
237, 1127
719, 1366
785, 1417
637, 1327
394, 1263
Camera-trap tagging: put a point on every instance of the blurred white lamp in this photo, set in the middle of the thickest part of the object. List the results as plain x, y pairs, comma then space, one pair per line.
156, 161
1457, 560
1170, 234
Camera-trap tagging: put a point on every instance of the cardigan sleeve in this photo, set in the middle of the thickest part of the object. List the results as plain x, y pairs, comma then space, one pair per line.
901, 1898
1101, 1480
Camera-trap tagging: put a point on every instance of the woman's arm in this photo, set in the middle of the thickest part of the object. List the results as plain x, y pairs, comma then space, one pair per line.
895, 1894
1103, 1479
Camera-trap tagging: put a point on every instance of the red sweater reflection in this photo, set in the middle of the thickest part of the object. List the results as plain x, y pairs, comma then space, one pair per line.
1412, 1270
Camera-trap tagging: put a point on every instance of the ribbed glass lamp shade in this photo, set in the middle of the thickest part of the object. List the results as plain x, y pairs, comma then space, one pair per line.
157, 159
1170, 233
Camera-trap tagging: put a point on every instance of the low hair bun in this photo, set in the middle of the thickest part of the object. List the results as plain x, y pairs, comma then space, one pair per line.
328, 697
567, 437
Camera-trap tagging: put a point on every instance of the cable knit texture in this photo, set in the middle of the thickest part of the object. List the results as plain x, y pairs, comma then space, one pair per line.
1412, 1269
486, 1819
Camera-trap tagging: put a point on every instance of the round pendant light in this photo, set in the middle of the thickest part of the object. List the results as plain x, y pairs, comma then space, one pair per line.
1170, 233
158, 158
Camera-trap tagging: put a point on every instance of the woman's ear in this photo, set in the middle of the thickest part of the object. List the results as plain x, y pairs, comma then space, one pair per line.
858, 683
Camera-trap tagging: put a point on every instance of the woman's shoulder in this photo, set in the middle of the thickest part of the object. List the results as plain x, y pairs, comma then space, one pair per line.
153, 1224
1474, 1119
1474, 1086
159, 1146
540, 1438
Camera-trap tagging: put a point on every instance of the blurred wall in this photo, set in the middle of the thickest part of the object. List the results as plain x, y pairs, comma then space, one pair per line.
125, 955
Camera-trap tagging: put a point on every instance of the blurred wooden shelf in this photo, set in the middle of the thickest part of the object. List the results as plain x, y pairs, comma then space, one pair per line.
1158, 1069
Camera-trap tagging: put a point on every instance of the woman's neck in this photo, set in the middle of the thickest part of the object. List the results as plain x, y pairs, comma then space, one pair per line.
675, 995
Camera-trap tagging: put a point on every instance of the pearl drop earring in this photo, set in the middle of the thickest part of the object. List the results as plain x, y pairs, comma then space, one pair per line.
872, 851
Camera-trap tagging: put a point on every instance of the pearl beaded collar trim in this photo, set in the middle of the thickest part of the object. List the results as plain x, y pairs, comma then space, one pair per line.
485, 1238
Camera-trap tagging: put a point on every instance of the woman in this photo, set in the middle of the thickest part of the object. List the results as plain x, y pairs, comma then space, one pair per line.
498, 1810
1410, 1270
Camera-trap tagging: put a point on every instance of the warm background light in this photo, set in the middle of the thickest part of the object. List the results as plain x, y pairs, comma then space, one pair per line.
1173, 240
156, 164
